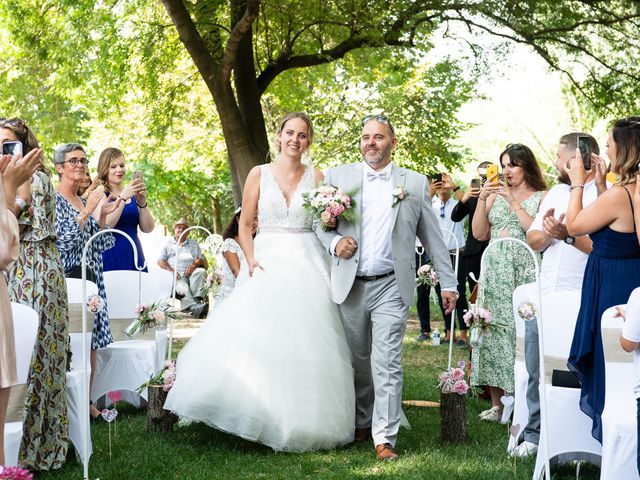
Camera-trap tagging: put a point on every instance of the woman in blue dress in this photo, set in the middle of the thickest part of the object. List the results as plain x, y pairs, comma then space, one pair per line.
131, 210
77, 220
613, 268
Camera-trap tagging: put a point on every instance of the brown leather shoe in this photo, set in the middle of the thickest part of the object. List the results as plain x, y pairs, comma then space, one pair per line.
386, 453
362, 435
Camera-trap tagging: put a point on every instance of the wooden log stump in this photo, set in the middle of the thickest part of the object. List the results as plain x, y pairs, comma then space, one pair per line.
453, 418
158, 419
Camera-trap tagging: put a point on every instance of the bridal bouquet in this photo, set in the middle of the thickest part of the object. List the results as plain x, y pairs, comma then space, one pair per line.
329, 203
214, 281
149, 316
427, 275
452, 380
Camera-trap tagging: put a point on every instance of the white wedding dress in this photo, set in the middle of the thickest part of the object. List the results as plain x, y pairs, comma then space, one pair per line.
271, 364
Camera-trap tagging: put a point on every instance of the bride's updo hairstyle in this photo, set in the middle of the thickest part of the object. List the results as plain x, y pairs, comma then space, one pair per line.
626, 134
301, 115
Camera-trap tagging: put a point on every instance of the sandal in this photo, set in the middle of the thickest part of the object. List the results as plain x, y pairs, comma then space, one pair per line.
491, 415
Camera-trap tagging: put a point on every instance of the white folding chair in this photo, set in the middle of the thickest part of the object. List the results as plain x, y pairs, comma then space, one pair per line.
526, 292
569, 436
126, 364
619, 420
75, 408
25, 329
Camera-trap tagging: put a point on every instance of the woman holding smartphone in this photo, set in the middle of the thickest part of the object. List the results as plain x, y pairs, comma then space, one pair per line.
505, 209
613, 268
130, 213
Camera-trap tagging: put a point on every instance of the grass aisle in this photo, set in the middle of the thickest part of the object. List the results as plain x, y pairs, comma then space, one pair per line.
198, 452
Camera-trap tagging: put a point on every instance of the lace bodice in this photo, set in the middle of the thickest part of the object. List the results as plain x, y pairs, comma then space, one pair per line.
273, 212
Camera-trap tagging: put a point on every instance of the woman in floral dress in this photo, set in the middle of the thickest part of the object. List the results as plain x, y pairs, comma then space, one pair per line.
77, 220
37, 281
505, 209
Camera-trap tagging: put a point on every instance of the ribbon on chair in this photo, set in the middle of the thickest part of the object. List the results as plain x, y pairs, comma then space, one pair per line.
75, 317
613, 352
520, 349
119, 325
17, 398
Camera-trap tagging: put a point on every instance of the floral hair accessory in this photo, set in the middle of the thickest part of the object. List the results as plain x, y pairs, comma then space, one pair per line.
399, 194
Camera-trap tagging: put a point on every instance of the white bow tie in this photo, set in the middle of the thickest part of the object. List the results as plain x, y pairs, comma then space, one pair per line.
371, 176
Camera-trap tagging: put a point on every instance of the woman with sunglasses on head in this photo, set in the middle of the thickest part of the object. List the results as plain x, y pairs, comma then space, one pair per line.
37, 281
613, 267
77, 220
506, 208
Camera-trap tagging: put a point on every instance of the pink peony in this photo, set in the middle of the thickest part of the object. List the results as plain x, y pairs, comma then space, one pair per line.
460, 387
457, 374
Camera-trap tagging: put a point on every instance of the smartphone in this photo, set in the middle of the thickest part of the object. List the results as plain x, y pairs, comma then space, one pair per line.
475, 182
584, 145
12, 148
437, 177
137, 174
492, 171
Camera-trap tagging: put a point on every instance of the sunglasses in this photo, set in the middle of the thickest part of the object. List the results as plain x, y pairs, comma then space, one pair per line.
378, 118
515, 146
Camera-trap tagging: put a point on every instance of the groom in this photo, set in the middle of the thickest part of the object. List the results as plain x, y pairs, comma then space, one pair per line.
373, 274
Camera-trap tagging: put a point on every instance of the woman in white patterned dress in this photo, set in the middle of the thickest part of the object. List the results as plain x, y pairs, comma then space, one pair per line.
233, 263
282, 372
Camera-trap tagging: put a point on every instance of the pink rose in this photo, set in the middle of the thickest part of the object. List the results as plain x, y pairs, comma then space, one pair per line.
460, 387
325, 216
458, 374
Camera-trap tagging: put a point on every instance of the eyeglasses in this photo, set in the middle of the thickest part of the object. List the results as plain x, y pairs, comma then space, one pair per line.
378, 118
74, 162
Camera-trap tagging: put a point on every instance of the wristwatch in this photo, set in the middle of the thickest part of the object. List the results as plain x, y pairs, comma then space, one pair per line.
456, 188
569, 240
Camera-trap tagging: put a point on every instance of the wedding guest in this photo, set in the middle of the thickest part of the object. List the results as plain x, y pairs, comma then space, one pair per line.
191, 272
37, 281
562, 266
234, 260
505, 209
613, 267
131, 211
11, 177
77, 220
630, 341
453, 233
473, 248
85, 185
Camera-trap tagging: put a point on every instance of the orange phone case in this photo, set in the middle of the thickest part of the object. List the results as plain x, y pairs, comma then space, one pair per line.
492, 171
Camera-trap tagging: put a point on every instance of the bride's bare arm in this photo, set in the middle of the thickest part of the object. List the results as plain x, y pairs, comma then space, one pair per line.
249, 209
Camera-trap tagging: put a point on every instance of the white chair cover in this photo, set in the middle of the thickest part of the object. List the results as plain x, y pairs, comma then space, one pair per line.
75, 410
526, 292
619, 421
25, 328
569, 436
127, 364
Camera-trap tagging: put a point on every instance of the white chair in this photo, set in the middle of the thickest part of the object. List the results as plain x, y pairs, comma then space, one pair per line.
164, 281
126, 364
25, 329
569, 435
526, 292
619, 421
75, 408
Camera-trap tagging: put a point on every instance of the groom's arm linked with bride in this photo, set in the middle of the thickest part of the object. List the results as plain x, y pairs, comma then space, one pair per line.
373, 275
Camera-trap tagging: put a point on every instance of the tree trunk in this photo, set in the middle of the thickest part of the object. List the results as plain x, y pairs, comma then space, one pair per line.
453, 418
158, 419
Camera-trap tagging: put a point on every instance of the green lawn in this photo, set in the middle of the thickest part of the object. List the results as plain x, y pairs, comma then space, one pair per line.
199, 452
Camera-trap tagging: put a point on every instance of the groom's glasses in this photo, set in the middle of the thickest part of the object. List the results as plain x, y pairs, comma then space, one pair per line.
378, 118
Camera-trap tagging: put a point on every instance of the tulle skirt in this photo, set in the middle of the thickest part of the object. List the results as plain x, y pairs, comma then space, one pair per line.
271, 363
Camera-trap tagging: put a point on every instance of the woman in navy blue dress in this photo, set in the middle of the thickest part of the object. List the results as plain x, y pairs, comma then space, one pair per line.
130, 213
613, 268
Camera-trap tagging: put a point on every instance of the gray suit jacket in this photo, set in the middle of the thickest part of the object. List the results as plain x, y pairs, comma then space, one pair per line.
413, 217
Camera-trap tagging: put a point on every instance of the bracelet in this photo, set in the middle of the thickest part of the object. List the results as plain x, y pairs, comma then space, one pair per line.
456, 188
573, 187
143, 206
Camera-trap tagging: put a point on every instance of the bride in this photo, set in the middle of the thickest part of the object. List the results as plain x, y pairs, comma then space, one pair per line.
271, 363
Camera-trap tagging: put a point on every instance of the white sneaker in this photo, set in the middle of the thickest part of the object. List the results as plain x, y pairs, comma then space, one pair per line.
491, 415
525, 449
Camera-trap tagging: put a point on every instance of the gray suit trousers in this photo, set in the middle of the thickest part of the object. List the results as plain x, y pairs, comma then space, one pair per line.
532, 363
374, 318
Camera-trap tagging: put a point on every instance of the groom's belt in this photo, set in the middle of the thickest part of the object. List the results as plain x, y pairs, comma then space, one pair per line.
369, 278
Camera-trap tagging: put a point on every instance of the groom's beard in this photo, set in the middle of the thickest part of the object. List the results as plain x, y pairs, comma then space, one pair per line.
374, 158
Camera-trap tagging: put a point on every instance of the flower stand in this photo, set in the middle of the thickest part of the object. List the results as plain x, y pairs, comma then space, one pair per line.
158, 419
453, 418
